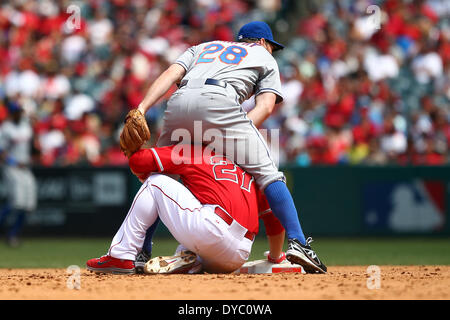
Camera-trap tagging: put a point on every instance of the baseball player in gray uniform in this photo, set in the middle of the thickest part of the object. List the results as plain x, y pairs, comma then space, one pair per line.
15, 153
214, 78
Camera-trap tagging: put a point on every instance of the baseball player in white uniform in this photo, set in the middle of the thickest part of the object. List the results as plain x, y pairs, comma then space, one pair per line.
214, 78
15, 152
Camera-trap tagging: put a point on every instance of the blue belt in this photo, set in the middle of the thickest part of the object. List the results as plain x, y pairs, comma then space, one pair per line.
212, 82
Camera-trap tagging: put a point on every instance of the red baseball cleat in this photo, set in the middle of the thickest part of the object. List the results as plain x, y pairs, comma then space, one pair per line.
108, 264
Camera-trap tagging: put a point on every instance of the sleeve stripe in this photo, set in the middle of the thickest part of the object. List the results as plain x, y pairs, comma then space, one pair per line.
158, 160
269, 89
279, 96
182, 64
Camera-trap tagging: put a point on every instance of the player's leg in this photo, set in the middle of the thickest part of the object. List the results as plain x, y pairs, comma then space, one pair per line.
244, 144
229, 131
283, 206
16, 180
258, 162
5, 211
130, 237
12, 237
181, 212
146, 253
223, 248
208, 115
25, 201
223, 117
31, 191
237, 138
147, 246
250, 151
241, 142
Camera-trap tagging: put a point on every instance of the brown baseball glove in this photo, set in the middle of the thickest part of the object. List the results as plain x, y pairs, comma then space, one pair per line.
135, 133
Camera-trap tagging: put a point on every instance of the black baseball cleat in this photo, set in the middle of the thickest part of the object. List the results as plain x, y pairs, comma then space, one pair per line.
304, 256
140, 261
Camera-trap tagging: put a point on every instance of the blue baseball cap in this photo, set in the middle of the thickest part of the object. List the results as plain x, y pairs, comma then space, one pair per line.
258, 30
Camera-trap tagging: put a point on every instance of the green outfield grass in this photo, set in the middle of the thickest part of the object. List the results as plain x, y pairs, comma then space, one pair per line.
62, 252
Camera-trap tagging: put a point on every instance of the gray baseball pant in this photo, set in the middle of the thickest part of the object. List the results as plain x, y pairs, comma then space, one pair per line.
211, 115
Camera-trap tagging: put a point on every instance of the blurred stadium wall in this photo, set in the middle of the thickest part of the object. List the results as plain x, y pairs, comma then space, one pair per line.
332, 201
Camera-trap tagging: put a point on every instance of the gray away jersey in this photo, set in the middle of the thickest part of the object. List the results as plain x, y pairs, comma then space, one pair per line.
248, 67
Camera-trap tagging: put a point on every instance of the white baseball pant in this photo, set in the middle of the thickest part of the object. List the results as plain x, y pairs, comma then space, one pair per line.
221, 247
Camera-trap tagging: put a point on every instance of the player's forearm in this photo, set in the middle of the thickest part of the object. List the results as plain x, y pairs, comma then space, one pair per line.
161, 85
276, 243
265, 103
142, 163
275, 234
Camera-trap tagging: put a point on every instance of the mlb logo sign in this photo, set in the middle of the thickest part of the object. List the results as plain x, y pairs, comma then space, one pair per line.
417, 206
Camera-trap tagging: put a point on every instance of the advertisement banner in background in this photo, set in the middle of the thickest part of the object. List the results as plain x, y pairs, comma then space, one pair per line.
331, 201
416, 206
78, 201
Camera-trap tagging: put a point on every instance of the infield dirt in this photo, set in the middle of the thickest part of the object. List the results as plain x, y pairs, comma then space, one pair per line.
342, 282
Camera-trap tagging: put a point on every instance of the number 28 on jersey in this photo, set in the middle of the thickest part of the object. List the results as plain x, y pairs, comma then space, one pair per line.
226, 54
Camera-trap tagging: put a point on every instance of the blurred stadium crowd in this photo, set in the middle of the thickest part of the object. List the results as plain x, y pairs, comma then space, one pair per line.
354, 94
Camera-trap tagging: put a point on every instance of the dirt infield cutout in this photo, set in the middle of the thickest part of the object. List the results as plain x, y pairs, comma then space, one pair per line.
342, 282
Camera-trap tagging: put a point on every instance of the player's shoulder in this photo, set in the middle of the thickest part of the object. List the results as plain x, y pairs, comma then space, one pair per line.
247, 45
255, 49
